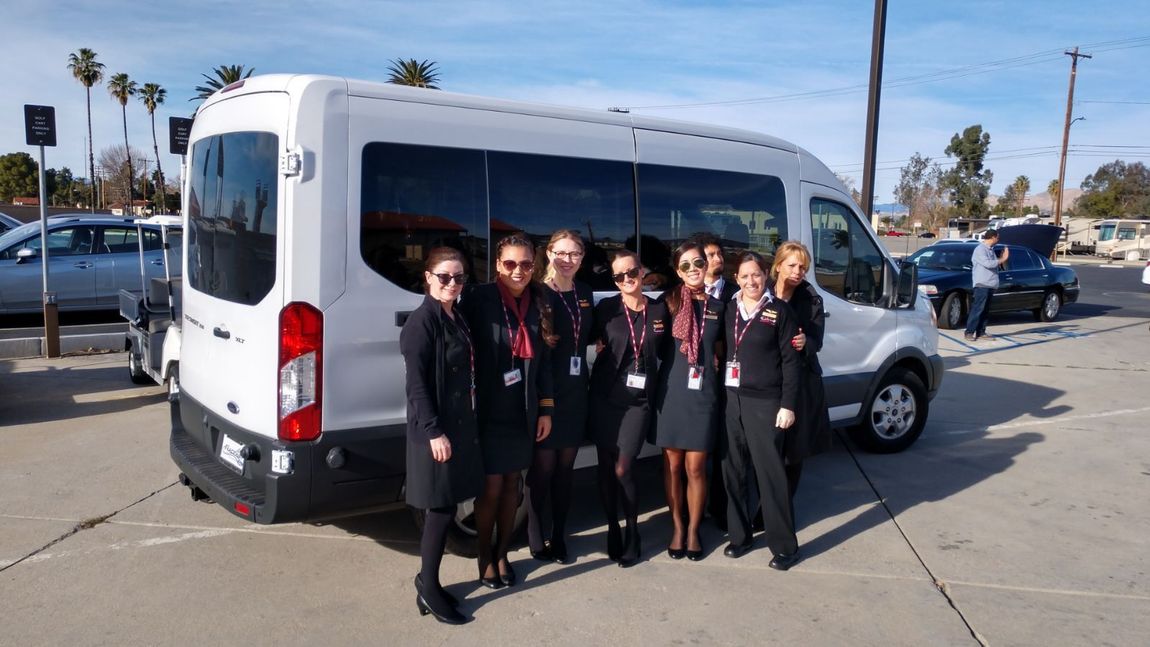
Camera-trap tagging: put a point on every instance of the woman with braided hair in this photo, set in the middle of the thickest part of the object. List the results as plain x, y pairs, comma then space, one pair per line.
511, 319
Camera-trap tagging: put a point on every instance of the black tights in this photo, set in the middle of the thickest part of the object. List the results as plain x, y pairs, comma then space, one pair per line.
436, 521
495, 511
549, 479
617, 483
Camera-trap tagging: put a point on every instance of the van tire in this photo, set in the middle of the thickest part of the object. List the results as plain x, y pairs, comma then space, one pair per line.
895, 415
953, 311
1051, 306
136, 368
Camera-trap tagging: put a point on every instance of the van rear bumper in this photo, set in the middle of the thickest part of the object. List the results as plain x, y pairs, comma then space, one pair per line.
342, 473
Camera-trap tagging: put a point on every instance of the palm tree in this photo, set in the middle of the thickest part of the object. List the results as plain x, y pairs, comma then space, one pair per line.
122, 88
1052, 189
225, 75
153, 95
88, 71
420, 74
1021, 187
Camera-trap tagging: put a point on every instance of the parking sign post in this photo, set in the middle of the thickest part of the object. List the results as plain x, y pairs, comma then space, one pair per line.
40, 130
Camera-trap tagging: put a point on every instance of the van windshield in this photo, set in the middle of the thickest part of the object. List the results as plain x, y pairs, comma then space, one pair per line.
232, 216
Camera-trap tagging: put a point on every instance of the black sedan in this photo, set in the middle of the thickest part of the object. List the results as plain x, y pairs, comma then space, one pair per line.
1028, 281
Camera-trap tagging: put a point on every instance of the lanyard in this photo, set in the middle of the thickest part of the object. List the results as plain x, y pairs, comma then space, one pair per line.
576, 317
636, 348
512, 333
739, 336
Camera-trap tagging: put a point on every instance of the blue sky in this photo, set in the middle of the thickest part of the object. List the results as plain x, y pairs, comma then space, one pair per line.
948, 65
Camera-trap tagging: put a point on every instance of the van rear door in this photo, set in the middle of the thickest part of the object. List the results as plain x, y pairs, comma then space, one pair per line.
233, 265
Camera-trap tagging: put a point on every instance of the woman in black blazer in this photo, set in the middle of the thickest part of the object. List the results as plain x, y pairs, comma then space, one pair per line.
512, 327
553, 466
812, 432
629, 332
761, 375
443, 460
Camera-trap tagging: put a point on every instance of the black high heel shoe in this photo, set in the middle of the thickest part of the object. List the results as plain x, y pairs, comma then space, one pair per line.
508, 577
558, 551
492, 582
442, 591
442, 611
614, 542
543, 555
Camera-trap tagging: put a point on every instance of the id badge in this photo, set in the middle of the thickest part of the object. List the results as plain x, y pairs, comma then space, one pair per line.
576, 365
695, 378
732, 376
514, 376
637, 380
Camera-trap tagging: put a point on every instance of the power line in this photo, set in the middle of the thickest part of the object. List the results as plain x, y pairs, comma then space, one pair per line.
1133, 103
930, 77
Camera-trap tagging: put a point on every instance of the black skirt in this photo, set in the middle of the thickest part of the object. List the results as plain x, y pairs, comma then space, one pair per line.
811, 434
614, 426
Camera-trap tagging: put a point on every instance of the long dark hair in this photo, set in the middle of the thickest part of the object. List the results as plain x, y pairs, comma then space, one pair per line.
672, 296
538, 295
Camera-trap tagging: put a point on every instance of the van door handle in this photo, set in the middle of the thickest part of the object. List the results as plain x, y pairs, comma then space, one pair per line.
221, 333
83, 265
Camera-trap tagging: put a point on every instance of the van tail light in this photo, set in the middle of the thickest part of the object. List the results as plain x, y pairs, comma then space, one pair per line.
301, 372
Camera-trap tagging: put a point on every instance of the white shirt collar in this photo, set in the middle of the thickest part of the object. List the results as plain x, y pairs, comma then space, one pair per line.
716, 289
747, 315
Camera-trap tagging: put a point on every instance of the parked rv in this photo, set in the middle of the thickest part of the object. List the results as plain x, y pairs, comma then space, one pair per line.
1123, 239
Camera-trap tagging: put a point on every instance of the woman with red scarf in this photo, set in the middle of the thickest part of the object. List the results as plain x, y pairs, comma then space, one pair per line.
511, 322
688, 400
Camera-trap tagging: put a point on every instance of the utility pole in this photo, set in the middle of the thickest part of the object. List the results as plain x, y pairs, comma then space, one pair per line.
1074, 55
878, 38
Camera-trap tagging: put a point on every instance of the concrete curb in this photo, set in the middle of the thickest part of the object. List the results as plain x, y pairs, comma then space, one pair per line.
34, 346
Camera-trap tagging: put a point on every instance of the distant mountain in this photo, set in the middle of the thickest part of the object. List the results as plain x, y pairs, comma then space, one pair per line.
891, 207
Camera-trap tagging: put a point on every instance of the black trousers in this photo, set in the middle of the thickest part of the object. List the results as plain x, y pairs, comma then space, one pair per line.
755, 450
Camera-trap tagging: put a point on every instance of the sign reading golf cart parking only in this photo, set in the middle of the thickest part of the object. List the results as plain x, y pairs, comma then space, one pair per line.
40, 125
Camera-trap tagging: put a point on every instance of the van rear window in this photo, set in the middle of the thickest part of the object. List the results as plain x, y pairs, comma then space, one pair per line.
232, 216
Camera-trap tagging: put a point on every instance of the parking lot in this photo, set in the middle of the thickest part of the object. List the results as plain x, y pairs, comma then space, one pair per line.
1020, 517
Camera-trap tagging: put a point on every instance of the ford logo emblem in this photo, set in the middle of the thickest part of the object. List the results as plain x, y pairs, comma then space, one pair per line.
233, 407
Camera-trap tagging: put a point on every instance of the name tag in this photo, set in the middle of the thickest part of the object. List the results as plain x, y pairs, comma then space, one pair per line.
695, 378
732, 374
514, 376
637, 380
576, 366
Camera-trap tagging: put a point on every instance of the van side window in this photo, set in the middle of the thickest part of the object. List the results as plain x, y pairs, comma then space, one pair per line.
744, 210
415, 198
538, 194
232, 216
847, 262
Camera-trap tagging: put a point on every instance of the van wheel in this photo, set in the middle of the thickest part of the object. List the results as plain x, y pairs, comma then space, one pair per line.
1051, 306
952, 313
136, 369
895, 415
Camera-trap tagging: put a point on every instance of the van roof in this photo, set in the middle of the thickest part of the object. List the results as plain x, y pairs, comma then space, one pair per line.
812, 168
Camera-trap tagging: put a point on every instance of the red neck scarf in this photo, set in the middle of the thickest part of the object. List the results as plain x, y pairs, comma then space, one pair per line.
521, 340
684, 326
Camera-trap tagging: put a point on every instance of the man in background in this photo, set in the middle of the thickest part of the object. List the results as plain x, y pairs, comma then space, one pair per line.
985, 275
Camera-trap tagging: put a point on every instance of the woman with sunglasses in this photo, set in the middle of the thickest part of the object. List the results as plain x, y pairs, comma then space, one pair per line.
443, 462
812, 432
761, 376
511, 319
629, 331
688, 402
553, 466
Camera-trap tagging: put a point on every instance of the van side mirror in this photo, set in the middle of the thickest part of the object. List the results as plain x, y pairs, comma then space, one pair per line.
26, 254
907, 289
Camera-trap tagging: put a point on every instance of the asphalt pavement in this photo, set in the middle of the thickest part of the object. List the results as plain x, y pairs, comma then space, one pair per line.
1019, 518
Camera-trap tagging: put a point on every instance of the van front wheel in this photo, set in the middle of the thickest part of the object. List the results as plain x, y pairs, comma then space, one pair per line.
895, 415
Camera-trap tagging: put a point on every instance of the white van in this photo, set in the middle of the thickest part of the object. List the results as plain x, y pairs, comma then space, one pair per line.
311, 201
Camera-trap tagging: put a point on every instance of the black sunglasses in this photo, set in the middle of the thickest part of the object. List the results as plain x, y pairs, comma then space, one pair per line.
445, 279
700, 263
632, 273
509, 266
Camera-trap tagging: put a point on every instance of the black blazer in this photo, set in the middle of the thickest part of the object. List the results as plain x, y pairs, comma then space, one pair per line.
807, 306
483, 307
769, 366
612, 328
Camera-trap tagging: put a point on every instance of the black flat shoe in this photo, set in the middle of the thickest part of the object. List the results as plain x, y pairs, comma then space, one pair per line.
544, 555
508, 577
614, 542
785, 562
558, 550
442, 611
492, 582
442, 591
631, 554
676, 553
735, 551
695, 555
